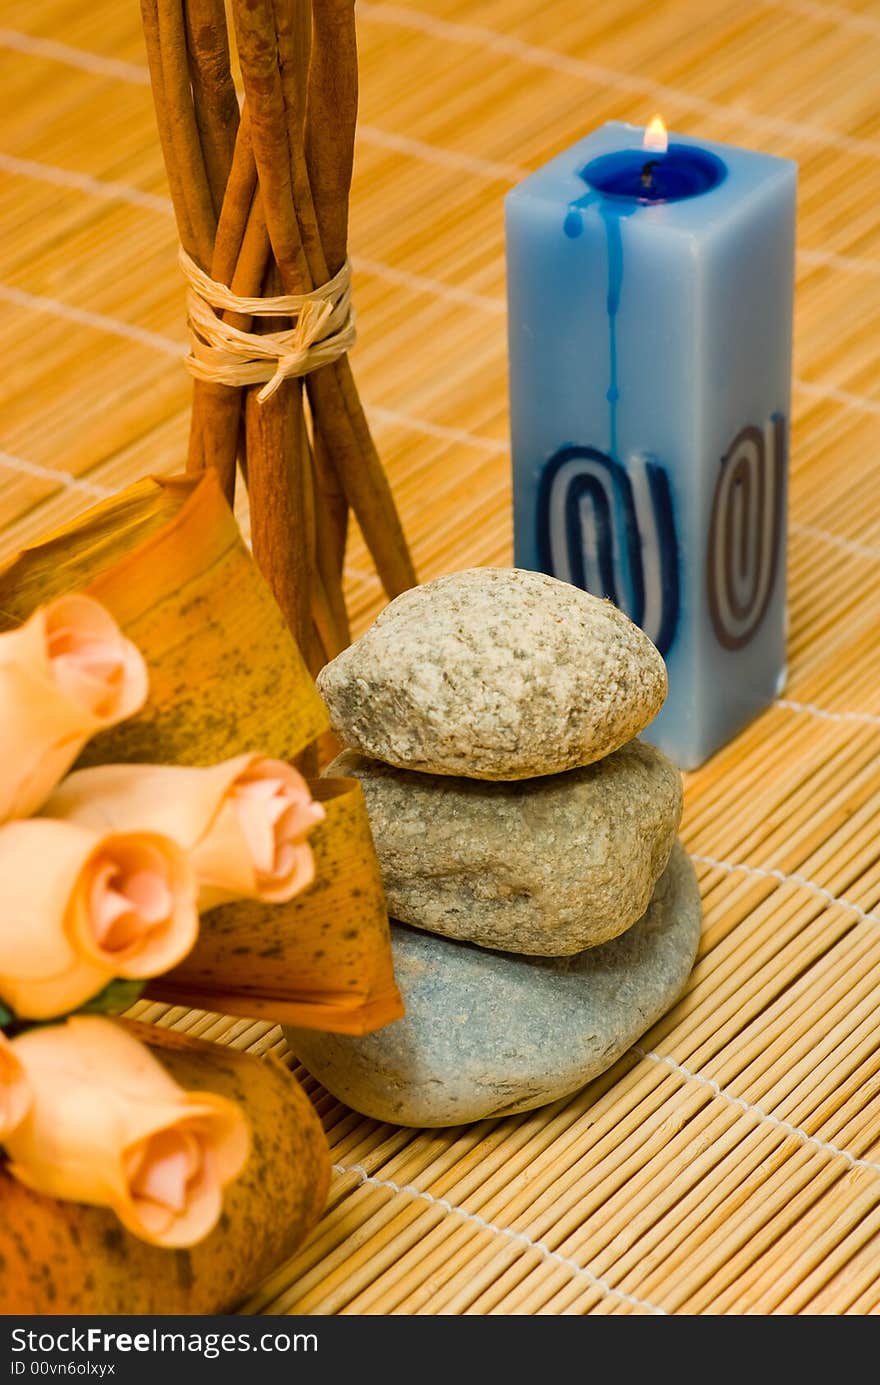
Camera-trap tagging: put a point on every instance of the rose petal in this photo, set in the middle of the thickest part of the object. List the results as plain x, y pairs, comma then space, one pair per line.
168, 1161
136, 909
91, 675
276, 811
15, 1092
256, 822
237, 821
65, 673
91, 661
110, 1127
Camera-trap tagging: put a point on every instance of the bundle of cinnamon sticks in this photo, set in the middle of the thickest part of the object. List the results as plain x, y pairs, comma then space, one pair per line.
261, 199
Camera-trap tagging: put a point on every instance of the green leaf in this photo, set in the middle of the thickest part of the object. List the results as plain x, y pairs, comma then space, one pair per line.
6, 1017
114, 998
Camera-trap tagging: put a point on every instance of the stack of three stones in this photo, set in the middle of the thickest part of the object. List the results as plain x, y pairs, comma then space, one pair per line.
544, 914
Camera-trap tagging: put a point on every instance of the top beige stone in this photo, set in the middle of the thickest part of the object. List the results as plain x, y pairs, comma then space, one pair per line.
494, 673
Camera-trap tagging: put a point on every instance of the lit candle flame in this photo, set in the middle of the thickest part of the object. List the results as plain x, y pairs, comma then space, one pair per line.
655, 136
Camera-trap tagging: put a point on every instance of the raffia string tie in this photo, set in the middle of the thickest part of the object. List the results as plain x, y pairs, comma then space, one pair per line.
323, 330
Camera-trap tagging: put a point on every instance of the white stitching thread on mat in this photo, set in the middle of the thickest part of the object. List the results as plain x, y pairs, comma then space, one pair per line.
49, 473
763, 874
96, 63
383, 139
867, 718
437, 430
111, 191
520, 1237
494, 41
116, 327
830, 14
390, 417
552, 60
839, 396
421, 283
101, 323
105, 188
169, 346
861, 550
830, 260
580, 1271
793, 1130
434, 154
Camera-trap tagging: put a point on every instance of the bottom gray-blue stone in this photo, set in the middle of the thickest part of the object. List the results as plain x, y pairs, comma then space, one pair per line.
490, 1033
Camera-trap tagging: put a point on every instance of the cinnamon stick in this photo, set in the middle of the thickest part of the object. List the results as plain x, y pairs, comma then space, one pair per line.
332, 392
183, 134
263, 198
240, 256
276, 502
265, 37
169, 56
275, 445
164, 121
214, 99
330, 122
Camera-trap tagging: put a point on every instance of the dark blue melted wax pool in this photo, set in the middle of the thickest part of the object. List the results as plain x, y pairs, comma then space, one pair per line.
645, 177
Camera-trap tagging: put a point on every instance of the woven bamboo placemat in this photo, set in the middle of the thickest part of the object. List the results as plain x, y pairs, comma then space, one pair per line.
731, 1163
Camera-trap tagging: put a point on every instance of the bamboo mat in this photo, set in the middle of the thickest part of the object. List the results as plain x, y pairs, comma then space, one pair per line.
730, 1164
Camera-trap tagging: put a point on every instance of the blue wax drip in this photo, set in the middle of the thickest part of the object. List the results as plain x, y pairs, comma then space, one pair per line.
574, 221
611, 213
621, 182
614, 242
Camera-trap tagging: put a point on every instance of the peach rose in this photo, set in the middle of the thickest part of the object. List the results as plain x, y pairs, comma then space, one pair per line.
79, 909
244, 823
65, 674
109, 1127
15, 1093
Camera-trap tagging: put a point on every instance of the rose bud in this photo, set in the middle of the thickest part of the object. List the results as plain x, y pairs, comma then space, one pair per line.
80, 908
15, 1093
65, 674
108, 1126
244, 823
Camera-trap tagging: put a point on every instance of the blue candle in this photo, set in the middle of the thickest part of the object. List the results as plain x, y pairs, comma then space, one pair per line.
650, 321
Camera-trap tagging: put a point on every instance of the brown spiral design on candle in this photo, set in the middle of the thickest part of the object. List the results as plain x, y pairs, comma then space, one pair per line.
745, 532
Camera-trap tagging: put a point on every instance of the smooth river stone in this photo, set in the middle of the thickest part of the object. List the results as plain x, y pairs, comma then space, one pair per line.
494, 673
492, 1033
544, 866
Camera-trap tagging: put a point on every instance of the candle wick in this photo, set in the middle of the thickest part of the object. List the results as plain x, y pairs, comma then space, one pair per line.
648, 172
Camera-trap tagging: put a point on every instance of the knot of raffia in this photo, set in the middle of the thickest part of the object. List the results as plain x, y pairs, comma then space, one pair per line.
322, 330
